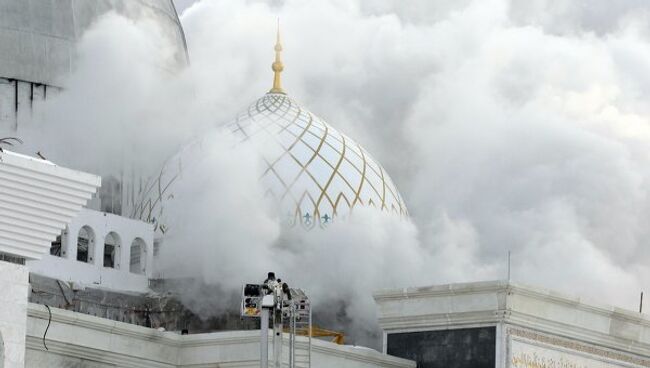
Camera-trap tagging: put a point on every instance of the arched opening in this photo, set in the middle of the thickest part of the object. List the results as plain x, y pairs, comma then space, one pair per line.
112, 250
138, 256
56, 247
86, 245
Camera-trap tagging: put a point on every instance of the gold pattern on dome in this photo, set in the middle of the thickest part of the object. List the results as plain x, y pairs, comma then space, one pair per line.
316, 174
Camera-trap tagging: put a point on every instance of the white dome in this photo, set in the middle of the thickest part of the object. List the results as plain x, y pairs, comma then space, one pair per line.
314, 172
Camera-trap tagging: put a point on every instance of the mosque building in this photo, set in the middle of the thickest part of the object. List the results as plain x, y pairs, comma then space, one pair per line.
79, 253
312, 172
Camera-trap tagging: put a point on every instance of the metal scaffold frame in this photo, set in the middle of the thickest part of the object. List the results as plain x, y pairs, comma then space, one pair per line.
274, 303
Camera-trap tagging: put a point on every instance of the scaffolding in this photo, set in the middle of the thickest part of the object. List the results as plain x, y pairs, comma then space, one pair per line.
273, 301
299, 325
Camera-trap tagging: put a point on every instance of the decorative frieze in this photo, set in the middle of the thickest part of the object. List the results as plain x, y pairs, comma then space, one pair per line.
538, 360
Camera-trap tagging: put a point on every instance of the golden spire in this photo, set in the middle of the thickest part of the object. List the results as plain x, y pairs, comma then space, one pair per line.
277, 65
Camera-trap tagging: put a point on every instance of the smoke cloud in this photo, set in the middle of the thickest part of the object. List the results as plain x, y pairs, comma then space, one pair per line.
507, 126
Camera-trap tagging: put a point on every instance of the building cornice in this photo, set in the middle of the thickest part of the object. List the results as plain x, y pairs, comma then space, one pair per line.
440, 290
509, 289
499, 302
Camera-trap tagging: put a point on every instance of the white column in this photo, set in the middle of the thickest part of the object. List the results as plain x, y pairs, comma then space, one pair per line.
125, 254
98, 253
149, 258
71, 242
14, 283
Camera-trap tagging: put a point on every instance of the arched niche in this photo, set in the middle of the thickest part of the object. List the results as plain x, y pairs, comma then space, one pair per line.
86, 245
112, 246
138, 256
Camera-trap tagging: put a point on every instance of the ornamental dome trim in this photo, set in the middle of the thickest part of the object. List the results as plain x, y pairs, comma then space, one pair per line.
315, 173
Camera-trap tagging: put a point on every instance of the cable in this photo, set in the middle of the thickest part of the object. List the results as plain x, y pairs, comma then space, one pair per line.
48, 325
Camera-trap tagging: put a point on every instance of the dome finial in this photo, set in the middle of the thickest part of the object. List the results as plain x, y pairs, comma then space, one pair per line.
277, 65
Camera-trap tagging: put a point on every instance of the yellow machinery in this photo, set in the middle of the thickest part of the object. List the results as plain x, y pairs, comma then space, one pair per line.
337, 337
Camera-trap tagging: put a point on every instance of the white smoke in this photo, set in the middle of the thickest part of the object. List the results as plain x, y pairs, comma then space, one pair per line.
222, 227
505, 130
506, 125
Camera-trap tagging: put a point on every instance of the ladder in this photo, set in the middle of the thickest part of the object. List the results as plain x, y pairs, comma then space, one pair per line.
299, 324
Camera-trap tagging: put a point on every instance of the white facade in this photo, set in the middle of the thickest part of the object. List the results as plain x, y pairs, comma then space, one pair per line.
78, 340
133, 242
14, 286
534, 327
37, 200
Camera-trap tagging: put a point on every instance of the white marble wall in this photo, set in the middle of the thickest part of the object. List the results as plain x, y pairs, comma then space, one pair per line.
76, 340
67, 268
38, 359
530, 348
567, 331
14, 286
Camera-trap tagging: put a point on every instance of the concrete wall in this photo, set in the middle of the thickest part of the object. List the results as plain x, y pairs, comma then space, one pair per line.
38, 37
528, 348
18, 100
78, 340
14, 287
68, 268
